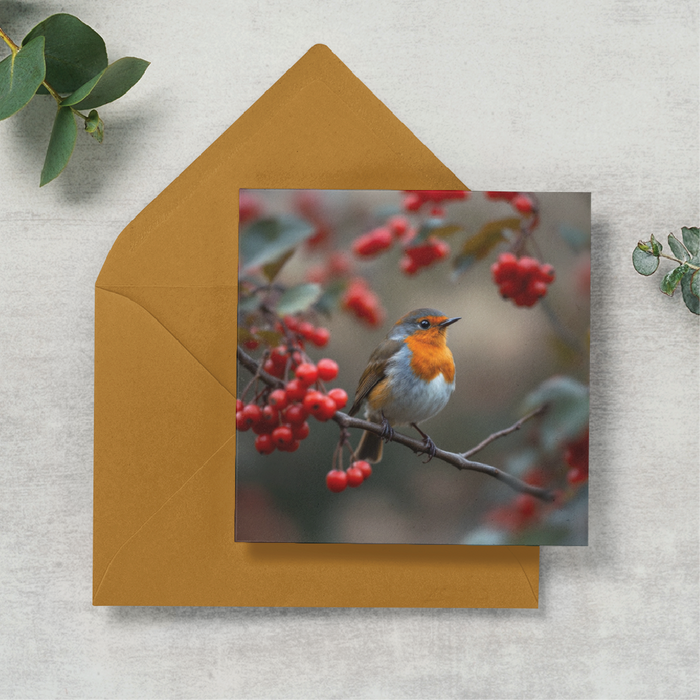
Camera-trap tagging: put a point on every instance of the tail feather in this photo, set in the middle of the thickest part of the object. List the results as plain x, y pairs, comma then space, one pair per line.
370, 448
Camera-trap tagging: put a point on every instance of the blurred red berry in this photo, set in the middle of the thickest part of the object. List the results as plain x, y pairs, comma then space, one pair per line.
320, 337
292, 322
249, 207
270, 416
275, 370
412, 202
340, 397
252, 414
278, 399
282, 437
398, 225
355, 477
317, 274
336, 480
364, 467
301, 431
507, 196
340, 263
523, 204
242, 422
307, 373
239, 405
296, 414
372, 242
295, 390
306, 329
327, 369
264, 444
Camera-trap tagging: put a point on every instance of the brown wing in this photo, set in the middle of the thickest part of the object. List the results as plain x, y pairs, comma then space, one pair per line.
375, 371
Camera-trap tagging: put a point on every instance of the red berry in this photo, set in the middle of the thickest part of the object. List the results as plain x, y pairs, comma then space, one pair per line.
372, 242
537, 288
291, 447
282, 437
364, 467
355, 477
339, 396
301, 431
398, 225
307, 373
527, 266
296, 414
292, 322
320, 337
546, 273
312, 401
438, 212
270, 416
323, 408
327, 369
278, 399
241, 422
251, 344
441, 249
336, 480
525, 505
279, 356
412, 202
275, 370
408, 265
340, 263
263, 428
239, 405
306, 329
295, 390
252, 414
264, 444
523, 204
577, 476
249, 208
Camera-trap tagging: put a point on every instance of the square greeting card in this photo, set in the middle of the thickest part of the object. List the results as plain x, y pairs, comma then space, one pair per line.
413, 367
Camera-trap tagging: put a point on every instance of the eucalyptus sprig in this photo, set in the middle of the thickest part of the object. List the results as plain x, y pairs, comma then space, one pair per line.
66, 59
646, 256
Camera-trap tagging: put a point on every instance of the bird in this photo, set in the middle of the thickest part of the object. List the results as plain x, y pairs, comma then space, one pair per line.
409, 378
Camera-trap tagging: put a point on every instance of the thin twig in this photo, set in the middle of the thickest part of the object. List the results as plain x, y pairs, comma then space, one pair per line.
418, 446
503, 433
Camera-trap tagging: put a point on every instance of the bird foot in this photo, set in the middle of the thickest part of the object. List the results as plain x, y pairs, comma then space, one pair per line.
387, 430
428, 443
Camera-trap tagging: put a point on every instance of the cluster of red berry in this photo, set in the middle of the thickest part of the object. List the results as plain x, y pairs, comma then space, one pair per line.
576, 456
363, 303
303, 331
523, 280
519, 200
338, 480
414, 199
423, 255
281, 422
381, 238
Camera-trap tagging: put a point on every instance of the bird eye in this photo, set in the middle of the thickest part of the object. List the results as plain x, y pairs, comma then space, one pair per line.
424, 323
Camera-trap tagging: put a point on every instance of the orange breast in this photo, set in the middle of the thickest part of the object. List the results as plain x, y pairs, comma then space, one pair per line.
430, 356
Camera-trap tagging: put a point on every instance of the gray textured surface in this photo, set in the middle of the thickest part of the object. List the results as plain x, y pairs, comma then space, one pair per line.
599, 96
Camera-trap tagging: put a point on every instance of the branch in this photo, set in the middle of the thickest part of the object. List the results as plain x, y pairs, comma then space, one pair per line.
459, 461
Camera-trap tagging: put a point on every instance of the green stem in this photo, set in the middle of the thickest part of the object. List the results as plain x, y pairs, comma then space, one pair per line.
13, 47
680, 262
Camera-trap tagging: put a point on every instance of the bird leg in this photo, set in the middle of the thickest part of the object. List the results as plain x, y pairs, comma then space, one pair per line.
387, 430
429, 444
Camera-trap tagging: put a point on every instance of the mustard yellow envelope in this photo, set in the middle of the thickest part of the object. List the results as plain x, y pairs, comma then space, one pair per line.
165, 377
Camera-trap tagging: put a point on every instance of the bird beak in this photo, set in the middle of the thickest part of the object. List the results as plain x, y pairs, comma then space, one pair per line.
449, 322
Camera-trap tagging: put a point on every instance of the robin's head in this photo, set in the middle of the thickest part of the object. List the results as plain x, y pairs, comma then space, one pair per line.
426, 325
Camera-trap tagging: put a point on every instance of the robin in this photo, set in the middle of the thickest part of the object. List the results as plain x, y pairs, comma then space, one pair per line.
409, 378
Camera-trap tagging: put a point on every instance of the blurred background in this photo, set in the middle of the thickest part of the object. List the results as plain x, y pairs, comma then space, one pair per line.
503, 354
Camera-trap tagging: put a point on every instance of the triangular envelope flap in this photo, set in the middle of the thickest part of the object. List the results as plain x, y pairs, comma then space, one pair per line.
323, 138
144, 424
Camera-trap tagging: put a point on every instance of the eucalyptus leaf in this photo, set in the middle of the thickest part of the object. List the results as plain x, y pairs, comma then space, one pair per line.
21, 74
74, 52
297, 299
266, 240
109, 85
690, 286
95, 126
671, 280
644, 263
656, 247
272, 269
691, 239
61, 145
678, 248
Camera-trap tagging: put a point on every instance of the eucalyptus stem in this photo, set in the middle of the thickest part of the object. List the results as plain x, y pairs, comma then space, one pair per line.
680, 262
13, 47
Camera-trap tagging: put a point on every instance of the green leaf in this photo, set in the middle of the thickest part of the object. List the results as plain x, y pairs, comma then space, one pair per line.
75, 53
678, 248
20, 76
330, 299
644, 263
691, 239
109, 85
266, 240
95, 126
566, 415
656, 247
690, 286
479, 245
671, 279
61, 145
248, 304
272, 269
434, 227
298, 298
